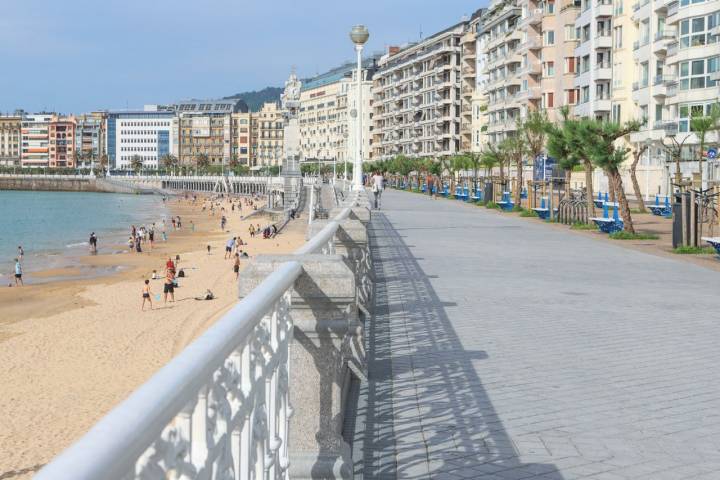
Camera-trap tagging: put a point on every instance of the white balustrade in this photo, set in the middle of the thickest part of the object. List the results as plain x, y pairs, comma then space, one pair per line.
219, 410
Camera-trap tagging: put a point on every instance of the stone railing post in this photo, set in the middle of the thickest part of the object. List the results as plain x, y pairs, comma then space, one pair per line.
324, 354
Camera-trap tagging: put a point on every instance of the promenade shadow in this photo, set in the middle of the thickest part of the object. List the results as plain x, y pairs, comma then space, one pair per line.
426, 413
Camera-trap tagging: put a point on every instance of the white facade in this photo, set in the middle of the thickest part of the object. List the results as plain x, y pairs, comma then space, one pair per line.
149, 135
594, 58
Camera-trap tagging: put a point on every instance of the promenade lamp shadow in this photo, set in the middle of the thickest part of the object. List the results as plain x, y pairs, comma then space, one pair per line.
359, 36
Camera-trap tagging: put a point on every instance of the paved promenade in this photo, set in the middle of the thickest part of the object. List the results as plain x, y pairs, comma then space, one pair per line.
505, 349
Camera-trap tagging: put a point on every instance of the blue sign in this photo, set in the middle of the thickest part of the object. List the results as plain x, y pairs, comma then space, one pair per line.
543, 167
712, 153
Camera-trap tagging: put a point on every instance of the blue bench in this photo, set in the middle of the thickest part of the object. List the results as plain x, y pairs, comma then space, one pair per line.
664, 210
599, 202
477, 196
543, 212
608, 224
714, 242
445, 191
506, 204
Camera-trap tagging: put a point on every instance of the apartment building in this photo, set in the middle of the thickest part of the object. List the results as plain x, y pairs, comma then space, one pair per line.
594, 57
35, 140
61, 135
693, 58
204, 128
511, 59
479, 100
328, 114
10, 128
89, 138
416, 95
267, 144
241, 137
471, 85
146, 134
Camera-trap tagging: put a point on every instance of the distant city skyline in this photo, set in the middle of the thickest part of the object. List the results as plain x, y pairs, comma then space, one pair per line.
79, 56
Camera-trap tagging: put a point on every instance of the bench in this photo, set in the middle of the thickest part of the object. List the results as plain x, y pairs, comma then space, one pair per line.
608, 225
477, 196
542, 212
506, 204
714, 242
664, 210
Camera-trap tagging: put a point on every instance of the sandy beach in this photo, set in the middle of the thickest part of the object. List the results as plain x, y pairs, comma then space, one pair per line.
72, 350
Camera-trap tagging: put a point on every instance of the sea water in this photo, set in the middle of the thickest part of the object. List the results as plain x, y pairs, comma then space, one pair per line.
51, 226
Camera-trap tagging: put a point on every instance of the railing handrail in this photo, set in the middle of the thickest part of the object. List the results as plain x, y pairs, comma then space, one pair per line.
113, 443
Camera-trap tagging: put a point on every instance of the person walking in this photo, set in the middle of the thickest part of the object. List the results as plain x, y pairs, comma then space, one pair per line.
21, 253
236, 266
93, 243
377, 188
229, 246
18, 273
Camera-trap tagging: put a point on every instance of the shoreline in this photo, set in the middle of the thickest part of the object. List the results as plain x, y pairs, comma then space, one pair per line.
73, 349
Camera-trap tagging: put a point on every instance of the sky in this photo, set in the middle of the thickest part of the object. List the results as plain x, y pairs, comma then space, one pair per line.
77, 56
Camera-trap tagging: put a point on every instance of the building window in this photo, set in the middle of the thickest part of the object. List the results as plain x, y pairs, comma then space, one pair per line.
570, 33
549, 69
688, 111
618, 37
616, 113
570, 65
617, 74
695, 74
695, 31
549, 37
644, 74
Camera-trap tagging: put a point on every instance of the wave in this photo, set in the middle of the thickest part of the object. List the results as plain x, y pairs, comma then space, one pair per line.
73, 245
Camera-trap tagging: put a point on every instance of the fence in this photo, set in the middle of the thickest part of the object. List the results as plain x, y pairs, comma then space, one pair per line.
222, 408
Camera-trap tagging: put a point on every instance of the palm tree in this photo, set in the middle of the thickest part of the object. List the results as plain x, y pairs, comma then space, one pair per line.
136, 163
168, 161
600, 137
578, 148
202, 161
489, 159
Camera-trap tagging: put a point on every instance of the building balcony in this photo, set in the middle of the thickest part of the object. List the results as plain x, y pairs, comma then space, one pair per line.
532, 93
531, 43
468, 71
603, 41
534, 18
603, 104
532, 68
603, 72
603, 8
641, 9
661, 6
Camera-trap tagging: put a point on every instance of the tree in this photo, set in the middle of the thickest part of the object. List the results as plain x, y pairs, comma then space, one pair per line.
701, 125
202, 161
136, 163
515, 149
234, 163
600, 137
534, 129
559, 146
578, 148
169, 161
103, 161
474, 163
637, 153
490, 158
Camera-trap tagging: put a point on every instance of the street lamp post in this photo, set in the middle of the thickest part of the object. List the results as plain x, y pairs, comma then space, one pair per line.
359, 36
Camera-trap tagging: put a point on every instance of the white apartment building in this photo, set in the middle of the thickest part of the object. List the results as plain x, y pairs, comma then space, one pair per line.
416, 94
594, 59
326, 117
510, 50
473, 82
147, 134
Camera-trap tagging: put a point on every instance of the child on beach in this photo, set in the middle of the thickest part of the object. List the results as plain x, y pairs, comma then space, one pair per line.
236, 266
146, 295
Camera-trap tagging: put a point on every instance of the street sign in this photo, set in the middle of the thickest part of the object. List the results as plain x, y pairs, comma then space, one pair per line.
711, 153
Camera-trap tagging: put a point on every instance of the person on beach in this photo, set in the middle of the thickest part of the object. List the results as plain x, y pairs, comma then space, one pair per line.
146, 295
208, 248
192, 226
151, 236
169, 265
179, 222
21, 253
131, 244
93, 242
173, 223
236, 266
223, 222
169, 286
251, 229
229, 246
18, 273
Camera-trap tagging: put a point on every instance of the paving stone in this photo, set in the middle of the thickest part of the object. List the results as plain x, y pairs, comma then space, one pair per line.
502, 348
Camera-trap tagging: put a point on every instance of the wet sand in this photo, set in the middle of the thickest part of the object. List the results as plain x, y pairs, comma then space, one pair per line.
72, 350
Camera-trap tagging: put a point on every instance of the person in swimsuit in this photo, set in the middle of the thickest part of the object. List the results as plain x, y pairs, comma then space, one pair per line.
236, 266
146, 295
21, 253
169, 286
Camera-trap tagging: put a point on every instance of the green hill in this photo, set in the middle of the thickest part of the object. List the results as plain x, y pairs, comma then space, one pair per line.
255, 99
